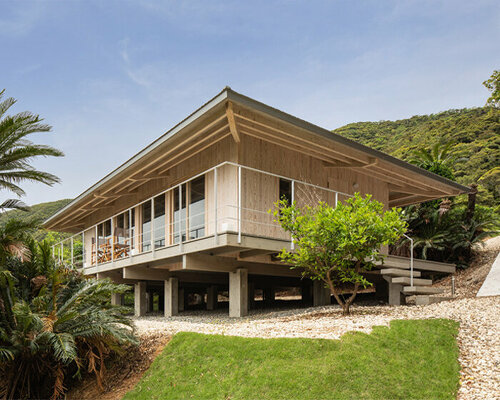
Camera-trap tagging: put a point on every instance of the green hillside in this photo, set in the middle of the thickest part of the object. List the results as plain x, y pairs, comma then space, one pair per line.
475, 132
39, 212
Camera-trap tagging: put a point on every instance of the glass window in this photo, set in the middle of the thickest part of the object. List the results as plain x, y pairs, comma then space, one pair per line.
159, 221
286, 190
146, 226
197, 208
179, 215
104, 229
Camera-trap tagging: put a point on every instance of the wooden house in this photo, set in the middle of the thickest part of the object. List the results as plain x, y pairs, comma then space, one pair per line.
189, 214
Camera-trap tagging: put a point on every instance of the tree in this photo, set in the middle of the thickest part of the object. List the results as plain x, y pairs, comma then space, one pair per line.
17, 152
438, 159
54, 323
336, 245
493, 85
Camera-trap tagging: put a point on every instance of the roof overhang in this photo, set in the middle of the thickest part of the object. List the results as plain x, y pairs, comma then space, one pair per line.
229, 113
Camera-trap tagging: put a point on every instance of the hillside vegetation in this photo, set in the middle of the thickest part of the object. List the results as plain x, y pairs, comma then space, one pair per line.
39, 212
475, 133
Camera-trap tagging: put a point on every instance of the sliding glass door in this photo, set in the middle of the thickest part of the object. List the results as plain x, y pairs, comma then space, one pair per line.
197, 208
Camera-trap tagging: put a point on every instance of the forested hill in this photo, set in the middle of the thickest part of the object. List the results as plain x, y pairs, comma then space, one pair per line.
475, 132
39, 212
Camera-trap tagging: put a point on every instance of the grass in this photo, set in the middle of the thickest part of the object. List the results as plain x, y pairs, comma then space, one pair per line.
414, 359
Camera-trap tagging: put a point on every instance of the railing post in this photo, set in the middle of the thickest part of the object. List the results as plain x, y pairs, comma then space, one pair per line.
180, 218
215, 206
336, 198
112, 242
130, 232
153, 226
411, 262
84, 251
292, 244
239, 203
96, 247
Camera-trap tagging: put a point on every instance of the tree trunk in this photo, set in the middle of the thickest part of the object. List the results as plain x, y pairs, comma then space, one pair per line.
471, 204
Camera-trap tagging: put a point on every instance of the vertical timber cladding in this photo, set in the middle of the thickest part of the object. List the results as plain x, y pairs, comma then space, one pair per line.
349, 181
261, 193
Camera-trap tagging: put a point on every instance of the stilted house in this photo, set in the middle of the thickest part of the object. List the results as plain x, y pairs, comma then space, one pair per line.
188, 215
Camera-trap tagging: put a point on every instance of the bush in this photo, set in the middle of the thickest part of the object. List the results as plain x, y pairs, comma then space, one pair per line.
54, 323
447, 235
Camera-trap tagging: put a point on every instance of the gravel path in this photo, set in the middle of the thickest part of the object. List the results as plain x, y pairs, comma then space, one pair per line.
479, 338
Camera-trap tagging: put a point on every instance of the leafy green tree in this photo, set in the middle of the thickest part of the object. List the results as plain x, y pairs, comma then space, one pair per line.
336, 245
438, 159
493, 85
54, 323
17, 151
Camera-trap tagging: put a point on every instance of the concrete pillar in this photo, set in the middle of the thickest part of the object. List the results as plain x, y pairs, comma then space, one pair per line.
212, 298
161, 302
181, 299
251, 295
140, 305
321, 294
116, 299
238, 293
305, 291
396, 298
149, 300
269, 296
171, 297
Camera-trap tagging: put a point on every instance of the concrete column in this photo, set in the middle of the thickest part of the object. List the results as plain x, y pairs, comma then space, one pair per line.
140, 299
181, 300
212, 298
396, 298
116, 299
171, 297
161, 302
321, 294
238, 293
269, 295
149, 301
251, 295
305, 291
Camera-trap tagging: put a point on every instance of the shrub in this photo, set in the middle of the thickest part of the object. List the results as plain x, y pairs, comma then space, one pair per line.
54, 323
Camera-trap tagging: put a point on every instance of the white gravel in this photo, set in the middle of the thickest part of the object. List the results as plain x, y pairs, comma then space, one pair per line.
479, 338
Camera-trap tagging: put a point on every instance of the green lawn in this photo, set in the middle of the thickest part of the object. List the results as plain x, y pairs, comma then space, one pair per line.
414, 359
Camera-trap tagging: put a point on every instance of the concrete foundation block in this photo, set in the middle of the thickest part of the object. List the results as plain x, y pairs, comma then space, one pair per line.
140, 304
171, 297
238, 293
182, 298
116, 299
212, 298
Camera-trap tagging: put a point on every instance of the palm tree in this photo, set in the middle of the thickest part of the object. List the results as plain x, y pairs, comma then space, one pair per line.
62, 325
437, 159
17, 151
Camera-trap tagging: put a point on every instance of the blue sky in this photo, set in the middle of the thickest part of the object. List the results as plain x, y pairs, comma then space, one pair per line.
111, 76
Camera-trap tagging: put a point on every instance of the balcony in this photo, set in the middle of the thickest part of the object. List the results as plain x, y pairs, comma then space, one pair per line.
226, 205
